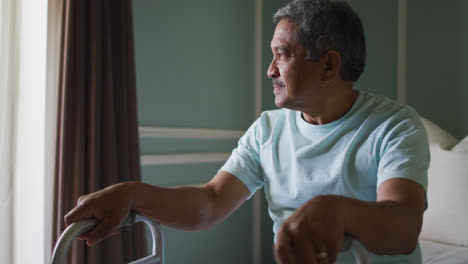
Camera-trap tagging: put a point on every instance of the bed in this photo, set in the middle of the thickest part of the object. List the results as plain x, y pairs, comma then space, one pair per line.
444, 236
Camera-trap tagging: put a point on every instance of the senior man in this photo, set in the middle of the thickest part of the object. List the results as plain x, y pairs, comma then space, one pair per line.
332, 160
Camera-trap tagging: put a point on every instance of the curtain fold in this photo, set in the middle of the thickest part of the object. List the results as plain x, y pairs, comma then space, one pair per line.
97, 142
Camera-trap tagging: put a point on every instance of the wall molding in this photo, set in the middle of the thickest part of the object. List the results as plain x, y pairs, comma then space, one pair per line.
258, 51
401, 50
55, 9
257, 200
171, 132
184, 158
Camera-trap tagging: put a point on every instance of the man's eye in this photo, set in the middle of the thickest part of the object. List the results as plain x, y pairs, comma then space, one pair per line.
283, 55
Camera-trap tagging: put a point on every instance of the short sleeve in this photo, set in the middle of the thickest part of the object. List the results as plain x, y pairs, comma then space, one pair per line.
404, 151
244, 162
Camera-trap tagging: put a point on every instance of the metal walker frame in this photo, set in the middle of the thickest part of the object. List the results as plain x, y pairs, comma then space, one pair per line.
157, 256
74, 230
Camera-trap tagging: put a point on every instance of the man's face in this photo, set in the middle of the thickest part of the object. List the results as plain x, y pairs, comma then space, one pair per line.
295, 79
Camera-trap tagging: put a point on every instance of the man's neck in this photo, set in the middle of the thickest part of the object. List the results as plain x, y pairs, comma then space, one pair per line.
331, 108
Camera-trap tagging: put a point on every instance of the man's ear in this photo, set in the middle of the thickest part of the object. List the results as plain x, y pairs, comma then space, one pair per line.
332, 60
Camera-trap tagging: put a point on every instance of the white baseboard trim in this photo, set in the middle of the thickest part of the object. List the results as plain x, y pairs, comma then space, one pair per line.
169, 132
186, 158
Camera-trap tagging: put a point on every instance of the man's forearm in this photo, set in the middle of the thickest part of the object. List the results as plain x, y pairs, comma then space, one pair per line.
385, 227
186, 208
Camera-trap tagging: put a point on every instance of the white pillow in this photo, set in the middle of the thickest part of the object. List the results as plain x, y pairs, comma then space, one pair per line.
462, 145
438, 135
446, 218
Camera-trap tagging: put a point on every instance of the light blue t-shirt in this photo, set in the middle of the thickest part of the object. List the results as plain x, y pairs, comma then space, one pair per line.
295, 161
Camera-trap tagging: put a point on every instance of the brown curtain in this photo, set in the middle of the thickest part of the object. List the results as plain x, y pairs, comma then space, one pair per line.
97, 130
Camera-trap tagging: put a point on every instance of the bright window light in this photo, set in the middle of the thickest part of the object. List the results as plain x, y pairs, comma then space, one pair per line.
29, 209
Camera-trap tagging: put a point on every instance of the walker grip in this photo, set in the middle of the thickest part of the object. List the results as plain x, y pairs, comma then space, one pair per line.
74, 230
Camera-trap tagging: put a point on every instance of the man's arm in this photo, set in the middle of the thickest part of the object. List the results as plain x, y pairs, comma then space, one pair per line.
389, 226
186, 208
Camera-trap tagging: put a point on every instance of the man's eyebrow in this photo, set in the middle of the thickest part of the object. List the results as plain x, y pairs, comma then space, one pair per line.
279, 47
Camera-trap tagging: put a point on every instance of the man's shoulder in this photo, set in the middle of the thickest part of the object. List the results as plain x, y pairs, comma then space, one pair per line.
385, 118
389, 119
389, 108
273, 120
272, 116
379, 101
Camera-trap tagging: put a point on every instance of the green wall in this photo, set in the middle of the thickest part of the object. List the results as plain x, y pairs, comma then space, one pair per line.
379, 20
194, 62
438, 62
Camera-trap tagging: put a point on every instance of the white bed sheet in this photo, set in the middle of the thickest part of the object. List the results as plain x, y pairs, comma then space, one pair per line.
438, 253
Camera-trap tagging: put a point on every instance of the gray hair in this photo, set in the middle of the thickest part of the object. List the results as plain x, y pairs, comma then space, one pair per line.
325, 25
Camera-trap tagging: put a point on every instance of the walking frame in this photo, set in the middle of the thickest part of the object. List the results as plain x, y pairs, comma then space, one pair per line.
157, 253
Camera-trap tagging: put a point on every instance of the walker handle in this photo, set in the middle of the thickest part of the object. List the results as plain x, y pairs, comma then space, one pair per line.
74, 230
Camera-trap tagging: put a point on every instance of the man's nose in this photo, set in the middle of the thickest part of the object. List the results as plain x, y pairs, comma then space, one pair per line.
273, 71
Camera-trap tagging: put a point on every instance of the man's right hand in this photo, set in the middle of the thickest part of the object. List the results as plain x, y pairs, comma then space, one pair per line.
184, 208
109, 206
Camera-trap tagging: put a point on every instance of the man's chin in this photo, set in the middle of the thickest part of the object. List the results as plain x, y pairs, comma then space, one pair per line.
281, 103
287, 104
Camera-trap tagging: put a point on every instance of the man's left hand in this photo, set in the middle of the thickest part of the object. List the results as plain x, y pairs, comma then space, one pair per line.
313, 234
